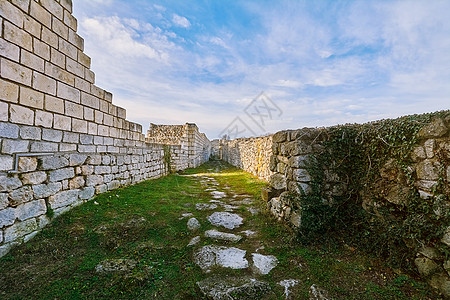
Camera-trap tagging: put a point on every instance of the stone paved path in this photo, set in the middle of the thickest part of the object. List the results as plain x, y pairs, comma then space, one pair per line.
230, 247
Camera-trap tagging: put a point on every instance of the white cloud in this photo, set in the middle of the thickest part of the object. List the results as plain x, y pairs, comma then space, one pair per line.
180, 21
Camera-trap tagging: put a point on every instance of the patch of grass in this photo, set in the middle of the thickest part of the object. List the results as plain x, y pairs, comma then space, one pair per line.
142, 223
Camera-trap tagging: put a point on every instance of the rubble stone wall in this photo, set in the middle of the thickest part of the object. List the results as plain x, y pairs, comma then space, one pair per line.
62, 140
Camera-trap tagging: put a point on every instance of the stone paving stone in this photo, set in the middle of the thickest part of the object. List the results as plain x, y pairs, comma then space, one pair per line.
225, 219
217, 235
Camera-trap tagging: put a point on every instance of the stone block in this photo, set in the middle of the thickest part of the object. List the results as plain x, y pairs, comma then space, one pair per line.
426, 266
436, 128
86, 139
21, 195
74, 67
79, 126
67, 48
60, 28
82, 85
71, 137
70, 20
8, 130
101, 189
84, 60
62, 122
77, 159
73, 110
86, 170
32, 26
7, 217
9, 183
44, 119
14, 146
6, 163
9, 50
67, 4
23, 5
31, 98
301, 175
76, 40
54, 104
17, 36
64, 198
67, 147
277, 181
94, 159
61, 174
15, 72
89, 76
27, 164
427, 170
69, 93
31, 209
88, 114
57, 58
30, 133
44, 147
52, 135
59, 74
12, 13
21, 115
34, 177
8, 91
20, 229
53, 162
46, 190
32, 61
92, 128
87, 193
76, 183
40, 14
446, 237
280, 137
430, 147
4, 202
89, 100
93, 180
41, 49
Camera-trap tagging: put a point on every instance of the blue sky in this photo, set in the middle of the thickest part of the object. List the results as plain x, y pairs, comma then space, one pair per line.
320, 62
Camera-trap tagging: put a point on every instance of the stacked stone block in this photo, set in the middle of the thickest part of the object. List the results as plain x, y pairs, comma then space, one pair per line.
62, 140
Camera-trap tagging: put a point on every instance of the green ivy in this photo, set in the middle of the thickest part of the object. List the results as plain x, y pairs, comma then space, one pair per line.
357, 154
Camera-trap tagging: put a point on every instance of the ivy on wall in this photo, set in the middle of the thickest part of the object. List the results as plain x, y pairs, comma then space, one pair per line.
373, 162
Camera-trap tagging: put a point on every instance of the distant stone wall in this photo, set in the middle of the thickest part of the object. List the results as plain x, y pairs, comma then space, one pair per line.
62, 140
250, 154
193, 147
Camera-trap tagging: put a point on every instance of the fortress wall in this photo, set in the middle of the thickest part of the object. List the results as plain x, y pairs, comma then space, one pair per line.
62, 140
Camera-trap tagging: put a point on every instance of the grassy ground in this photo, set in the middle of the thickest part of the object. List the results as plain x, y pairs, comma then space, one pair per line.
142, 223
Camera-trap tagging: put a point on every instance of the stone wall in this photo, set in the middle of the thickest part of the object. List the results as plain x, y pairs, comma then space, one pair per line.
193, 147
288, 156
250, 154
62, 140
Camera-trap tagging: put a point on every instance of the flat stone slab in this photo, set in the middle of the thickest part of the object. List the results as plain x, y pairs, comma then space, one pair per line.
246, 201
115, 265
263, 264
225, 219
194, 241
226, 257
185, 215
193, 224
205, 206
249, 232
217, 235
229, 288
218, 195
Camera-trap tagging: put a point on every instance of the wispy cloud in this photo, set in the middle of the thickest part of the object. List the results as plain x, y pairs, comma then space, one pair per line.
322, 62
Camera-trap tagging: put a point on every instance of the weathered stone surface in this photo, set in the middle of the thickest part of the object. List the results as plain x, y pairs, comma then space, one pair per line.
205, 206
64, 198
436, 128
31, 210
87, 193
425, 266
193, 224
77, 159
14, 146
8, 130
76, 183
209, 256
3, 200
226, 288
6, 162
116, 266
61, 174
194, 241
277, 181
19, 230
21, 195
93, 180
218, 195
9, 183
263, 264
217, 235
427, 170
7, 216
301, 175
27, 164
46, 190
446, 237
225, 219
34, 177
53, 162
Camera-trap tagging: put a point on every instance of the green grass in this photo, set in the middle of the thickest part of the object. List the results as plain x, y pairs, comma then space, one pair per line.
142, 223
